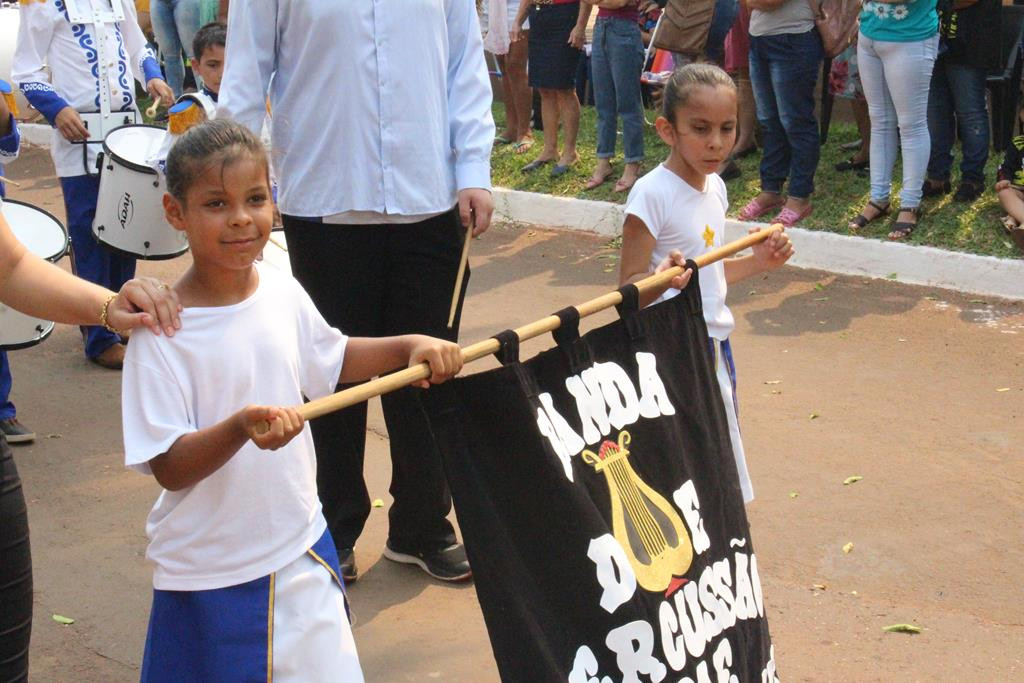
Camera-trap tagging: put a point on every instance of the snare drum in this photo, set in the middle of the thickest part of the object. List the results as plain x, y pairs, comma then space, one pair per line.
129, 209
44, 236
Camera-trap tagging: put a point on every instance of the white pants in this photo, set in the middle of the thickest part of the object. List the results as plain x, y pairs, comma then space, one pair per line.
312, 638
722, 370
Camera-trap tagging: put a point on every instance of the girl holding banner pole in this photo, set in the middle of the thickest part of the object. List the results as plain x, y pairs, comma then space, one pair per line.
680, 205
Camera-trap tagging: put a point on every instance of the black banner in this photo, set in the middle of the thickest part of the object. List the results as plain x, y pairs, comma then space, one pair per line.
598, 498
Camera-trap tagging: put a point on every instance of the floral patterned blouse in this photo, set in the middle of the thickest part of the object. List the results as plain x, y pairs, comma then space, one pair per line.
904, 22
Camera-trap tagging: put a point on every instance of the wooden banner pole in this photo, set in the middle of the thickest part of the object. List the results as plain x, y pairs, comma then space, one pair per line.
403, 378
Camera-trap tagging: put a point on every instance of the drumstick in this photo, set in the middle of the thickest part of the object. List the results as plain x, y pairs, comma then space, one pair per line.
151, 111
462, 273
8, 180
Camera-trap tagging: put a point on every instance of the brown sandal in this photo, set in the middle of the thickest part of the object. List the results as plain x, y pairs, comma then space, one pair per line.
861, 220
901, 230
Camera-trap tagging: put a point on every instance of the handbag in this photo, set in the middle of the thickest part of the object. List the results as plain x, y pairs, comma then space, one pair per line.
837, 22
684, 26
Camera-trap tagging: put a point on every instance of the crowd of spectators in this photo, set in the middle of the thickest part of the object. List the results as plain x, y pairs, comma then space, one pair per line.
915, 79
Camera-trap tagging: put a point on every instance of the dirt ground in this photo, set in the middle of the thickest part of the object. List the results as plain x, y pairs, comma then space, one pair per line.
918, 391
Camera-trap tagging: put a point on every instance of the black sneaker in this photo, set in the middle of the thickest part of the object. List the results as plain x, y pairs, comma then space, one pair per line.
968, 191
445, 564
935, 188
347, 561
15, 432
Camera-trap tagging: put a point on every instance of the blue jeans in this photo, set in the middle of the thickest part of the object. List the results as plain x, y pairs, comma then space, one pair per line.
617, 60
896, 77
89, 260
783, 73
175, 23
6, 407
722, 20
957, 97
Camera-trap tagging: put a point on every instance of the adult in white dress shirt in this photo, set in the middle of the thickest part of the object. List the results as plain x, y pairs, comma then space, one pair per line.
381, 138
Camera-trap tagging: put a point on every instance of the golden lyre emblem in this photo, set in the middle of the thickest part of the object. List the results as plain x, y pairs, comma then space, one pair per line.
644, 523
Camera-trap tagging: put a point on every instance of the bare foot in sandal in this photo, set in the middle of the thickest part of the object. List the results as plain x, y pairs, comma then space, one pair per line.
629, 176
602, 172
523, 144
870, 212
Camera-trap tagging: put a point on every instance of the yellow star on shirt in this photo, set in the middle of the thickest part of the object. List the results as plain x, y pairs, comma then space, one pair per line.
709, 236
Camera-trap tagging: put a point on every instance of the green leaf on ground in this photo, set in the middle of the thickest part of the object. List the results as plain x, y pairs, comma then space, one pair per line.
794, 494
847, 548
852, 480
61, 619
902, 628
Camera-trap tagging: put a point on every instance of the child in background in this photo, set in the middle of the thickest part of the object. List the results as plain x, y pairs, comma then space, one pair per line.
680, 207
208, 48
1010, 189
246, 583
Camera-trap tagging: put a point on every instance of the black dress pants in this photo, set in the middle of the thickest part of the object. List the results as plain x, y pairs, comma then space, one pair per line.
15, 573
376, 281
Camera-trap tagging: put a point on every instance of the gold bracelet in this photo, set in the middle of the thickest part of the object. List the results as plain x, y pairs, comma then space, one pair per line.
103, 315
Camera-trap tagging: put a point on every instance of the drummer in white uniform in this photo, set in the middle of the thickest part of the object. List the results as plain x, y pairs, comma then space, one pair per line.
92, 62
10, 141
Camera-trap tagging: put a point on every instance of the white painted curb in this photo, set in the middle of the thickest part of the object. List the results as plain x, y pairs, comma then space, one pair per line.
35, 133
916, 265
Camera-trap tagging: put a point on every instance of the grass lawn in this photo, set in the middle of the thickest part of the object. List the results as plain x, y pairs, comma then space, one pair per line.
973, 228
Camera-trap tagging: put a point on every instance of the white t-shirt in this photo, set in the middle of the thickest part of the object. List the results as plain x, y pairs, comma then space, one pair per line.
680, 217
260, 510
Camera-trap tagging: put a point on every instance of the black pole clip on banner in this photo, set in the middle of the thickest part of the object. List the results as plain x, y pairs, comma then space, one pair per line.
567, 336
508, 353
628, 308
692, 290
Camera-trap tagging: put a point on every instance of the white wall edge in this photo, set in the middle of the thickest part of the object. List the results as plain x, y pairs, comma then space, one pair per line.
846, 255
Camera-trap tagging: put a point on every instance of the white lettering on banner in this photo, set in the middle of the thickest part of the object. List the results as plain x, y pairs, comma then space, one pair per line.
686, 500
586, 389
688, 623
614, 573
769, 674
722, 660
584, 667
564, 440
605, 398
653, 397
633, 645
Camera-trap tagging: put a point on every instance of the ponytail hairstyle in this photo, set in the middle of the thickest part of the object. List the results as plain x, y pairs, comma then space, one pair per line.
218, 141
687, 79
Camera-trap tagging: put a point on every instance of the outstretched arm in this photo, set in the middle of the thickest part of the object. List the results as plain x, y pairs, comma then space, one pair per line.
367, 357
197, 455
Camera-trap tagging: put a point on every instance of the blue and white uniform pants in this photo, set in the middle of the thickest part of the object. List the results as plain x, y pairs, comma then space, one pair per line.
91, 261
289, 627
725, 373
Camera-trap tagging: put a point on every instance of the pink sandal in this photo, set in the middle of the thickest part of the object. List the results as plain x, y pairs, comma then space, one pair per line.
755, 209
788, 217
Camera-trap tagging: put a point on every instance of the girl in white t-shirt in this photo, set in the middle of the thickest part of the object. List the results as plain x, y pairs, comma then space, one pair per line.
246, 580
679, 208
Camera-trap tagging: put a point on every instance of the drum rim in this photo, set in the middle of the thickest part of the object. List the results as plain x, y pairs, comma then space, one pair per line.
135, 254
63, 229
51, 326
142, 168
